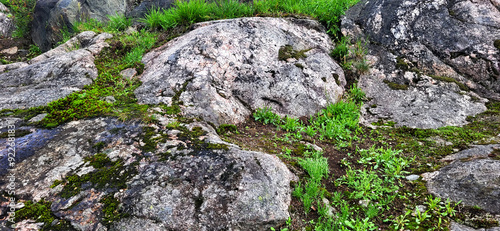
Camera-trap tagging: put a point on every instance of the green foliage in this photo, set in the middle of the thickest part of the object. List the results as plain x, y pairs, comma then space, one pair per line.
41, 212
356, 95
351, 55
22, 10
118, 23
187, 12
227, 128
266, 116
338, 121
291, 124
88, 24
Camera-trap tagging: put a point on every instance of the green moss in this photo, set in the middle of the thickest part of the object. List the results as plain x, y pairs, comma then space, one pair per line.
109, 175
287, 51
462, 86
217, 146
172, 110
99, 146
111, 210
496, 43
41, 212
396, 86
401, 64
299, 65
56, 183
223, 129
149, 143
17, 133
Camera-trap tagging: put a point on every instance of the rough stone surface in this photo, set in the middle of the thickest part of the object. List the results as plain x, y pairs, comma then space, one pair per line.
414, 40
52, 75
179, 186
459, 227
145, 6
53, 16
6, 22
231, 67
474, 182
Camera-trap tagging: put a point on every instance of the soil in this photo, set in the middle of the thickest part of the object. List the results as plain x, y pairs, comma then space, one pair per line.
23, 45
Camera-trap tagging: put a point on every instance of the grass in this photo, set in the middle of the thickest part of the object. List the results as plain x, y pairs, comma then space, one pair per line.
185, 13
350, 54
22, 11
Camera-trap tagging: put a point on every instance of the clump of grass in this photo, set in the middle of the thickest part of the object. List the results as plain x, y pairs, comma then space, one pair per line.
266, 116
351, 55
118, 22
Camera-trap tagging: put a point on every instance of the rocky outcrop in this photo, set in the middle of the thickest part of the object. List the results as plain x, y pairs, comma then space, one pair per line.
223, 70
183, 178
52, 17
52, 75
6, 22
458, 227
473, 178
438, 51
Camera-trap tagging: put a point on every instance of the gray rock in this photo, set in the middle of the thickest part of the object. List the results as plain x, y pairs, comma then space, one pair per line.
52, 75
443, 38
193, 188
454, 226
413, 43
147, 5
6, 22
9, 51
128, 73
53, 16
476, 152
474, 182
37, 118
224, 69
412, 177
110, 99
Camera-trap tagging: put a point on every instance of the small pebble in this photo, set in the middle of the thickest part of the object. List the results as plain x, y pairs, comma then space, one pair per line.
412, 177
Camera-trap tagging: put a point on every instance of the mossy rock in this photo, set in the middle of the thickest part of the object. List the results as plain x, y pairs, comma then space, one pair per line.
396, 86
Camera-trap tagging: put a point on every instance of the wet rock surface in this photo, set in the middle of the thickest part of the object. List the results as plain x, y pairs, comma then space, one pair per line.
438, 51
52, 75
222, 70
186, 179
473, 178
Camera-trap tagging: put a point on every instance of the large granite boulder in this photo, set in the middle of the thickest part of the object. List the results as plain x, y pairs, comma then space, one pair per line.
442, 52
6, 22
52, 75
472, 177
52, 17
222, 70
157, 178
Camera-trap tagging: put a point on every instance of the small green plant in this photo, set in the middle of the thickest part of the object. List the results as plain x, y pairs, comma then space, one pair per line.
266, 116
118, 23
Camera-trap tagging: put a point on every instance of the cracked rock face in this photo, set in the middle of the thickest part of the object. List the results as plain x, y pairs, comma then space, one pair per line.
472, 178
453, 39
223, 70
52, 75
182, 185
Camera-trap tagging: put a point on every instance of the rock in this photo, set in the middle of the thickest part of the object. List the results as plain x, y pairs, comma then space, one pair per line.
37, 118
128, 73
432, 64
147, 5
443, 38
9, 51
53, 16
202, 186
52, 75
412, 177
419, 209
6, 22
110, 99
475, 152
475, 183
454, 226
223, 70
364, 203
